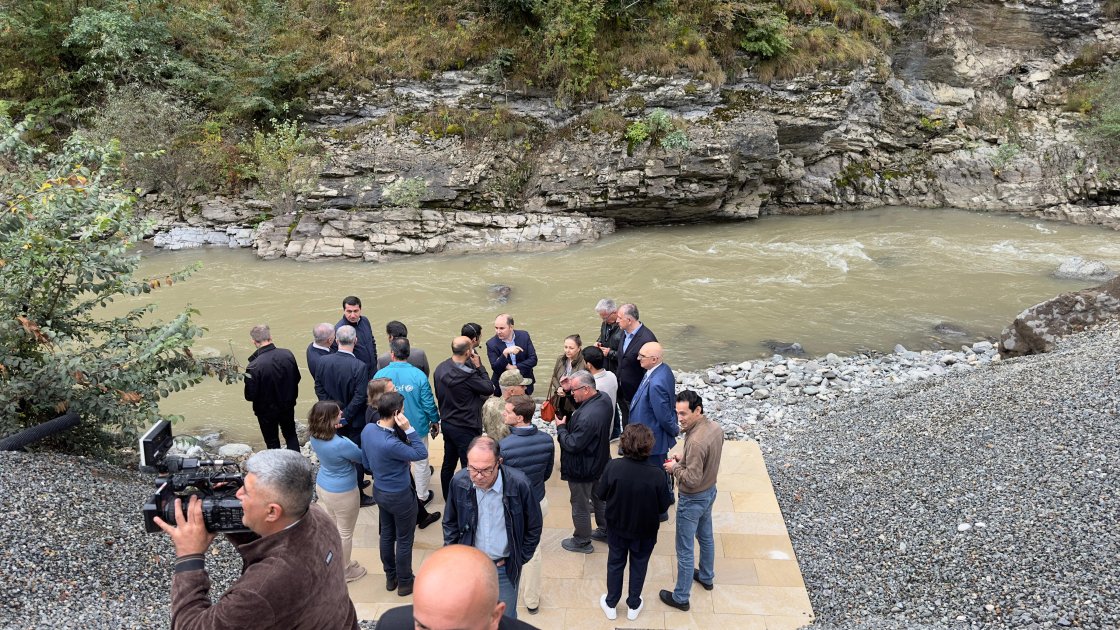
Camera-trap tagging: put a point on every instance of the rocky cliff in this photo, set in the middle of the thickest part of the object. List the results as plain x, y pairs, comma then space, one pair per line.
967, 111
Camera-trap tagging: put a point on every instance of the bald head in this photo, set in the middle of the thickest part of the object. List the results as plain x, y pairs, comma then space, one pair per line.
457, 589
650, 355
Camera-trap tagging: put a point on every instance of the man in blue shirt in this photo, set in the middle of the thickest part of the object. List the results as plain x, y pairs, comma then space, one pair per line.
492, 507
419, 406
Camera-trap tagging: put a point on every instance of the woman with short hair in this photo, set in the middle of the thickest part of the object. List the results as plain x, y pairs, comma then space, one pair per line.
627, 486
335, 483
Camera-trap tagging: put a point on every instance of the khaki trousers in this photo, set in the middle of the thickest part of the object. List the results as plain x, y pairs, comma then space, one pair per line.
531, 572
343, 509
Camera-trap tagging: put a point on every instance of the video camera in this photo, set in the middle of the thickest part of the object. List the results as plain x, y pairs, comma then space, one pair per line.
214, 482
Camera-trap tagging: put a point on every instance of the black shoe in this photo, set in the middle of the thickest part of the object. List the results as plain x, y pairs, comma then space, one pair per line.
367, 501
599, 534
390, 583
707, 585
431, 470
533, 611
663, 517
365, 484
428, 499
434, 516
405, 589
667, 599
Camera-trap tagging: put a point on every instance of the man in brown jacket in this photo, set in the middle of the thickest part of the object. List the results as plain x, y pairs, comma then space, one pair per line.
695, 472
292, 575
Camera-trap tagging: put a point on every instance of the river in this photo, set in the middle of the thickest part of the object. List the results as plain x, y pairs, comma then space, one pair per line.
838, 283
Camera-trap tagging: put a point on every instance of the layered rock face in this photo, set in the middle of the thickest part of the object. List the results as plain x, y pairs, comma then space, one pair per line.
966, 113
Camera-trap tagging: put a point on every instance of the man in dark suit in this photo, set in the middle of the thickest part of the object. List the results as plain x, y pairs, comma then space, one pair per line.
343, 378
365, 348
630, 371
510, 349
321, 347
272, 384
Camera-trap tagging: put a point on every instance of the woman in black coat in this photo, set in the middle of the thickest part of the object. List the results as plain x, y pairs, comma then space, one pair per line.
626, 487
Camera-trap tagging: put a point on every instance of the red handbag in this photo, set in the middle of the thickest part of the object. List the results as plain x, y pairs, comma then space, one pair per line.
548, 411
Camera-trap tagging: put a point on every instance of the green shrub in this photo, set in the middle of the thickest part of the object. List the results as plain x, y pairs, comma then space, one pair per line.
284, 164
66, 238
766, 35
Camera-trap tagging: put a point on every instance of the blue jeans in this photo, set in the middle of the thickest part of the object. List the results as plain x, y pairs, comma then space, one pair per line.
507, 591
694, 520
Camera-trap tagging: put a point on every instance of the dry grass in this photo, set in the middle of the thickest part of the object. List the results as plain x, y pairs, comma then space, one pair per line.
817, 48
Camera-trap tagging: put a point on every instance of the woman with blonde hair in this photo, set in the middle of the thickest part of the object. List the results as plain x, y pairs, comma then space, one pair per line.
569, 362
335, 483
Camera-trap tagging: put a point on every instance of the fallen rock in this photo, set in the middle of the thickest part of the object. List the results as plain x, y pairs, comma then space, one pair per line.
1036, 329
1078, 268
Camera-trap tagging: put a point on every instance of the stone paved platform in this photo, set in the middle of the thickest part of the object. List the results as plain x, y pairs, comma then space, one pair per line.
758, 584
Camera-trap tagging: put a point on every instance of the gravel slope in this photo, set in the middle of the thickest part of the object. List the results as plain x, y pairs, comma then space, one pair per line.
983, 498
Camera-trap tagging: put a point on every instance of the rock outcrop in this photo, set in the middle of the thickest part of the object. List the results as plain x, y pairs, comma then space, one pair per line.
1036, 329
966, 112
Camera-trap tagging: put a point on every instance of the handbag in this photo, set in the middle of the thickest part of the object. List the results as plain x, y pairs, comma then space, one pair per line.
548, 411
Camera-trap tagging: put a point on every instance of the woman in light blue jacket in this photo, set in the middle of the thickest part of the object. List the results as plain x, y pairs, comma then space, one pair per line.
335, 484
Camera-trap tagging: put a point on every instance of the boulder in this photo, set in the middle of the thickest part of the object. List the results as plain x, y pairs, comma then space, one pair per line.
1036, 329
235, 451
1078, 268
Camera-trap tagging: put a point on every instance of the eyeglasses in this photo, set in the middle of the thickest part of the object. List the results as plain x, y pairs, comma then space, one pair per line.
645, 356
576, 389
483, 472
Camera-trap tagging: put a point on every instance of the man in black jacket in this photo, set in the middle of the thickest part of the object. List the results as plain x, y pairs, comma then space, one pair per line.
630, 372
584, 452
272, 384
323, 335
610, 333
461, 386
491, 507
365, 346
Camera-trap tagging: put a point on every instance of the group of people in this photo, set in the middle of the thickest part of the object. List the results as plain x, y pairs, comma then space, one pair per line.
377, 413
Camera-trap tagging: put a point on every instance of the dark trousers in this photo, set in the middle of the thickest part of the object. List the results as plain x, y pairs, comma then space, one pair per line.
421, 509
456, 439
624, 408
639, 551
397, 525
584, 502
275, 420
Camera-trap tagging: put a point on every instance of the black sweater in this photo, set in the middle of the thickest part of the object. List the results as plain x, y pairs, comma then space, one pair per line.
636, 493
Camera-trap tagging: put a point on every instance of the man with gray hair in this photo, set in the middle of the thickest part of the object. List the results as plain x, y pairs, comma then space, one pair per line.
343, 378
272, 385
585, 440
610, 333
323, 335
292, 573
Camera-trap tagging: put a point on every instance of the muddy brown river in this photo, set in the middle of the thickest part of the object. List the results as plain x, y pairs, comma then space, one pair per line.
839, 283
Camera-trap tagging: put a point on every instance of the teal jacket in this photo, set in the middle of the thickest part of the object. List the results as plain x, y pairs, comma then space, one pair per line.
419, 403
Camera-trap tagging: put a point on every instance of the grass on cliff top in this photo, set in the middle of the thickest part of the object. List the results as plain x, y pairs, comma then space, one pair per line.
246, 60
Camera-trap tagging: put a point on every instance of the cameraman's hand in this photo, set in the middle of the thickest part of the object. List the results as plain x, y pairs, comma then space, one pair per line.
190, 536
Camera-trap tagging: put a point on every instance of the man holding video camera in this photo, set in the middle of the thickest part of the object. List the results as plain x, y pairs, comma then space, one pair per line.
292, 575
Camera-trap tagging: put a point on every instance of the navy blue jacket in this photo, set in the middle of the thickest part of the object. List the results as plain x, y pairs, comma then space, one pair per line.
313, 356
523, 516
366, 348
630, 372
343, 379
531, 452
526, 359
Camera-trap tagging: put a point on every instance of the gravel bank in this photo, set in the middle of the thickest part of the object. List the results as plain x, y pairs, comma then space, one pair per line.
944, 489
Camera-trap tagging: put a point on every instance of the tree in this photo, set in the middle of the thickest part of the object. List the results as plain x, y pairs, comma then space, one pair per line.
66, 233
283, 164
